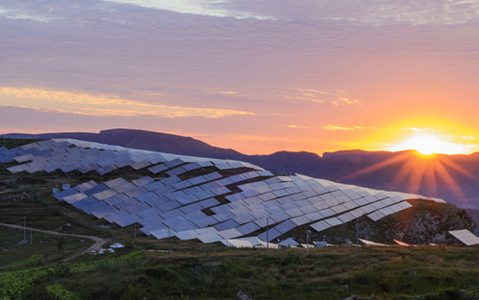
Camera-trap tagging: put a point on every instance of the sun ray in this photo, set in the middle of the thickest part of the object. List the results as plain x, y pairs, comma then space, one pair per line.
378, 166
430, 178
417, 173
402, 174
450, 182
457, 167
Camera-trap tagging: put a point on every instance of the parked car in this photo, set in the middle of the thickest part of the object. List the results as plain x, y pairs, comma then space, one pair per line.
117, 246
101, 251
93, 253
111, 250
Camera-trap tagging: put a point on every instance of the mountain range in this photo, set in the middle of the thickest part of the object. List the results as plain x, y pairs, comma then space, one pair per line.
453, 178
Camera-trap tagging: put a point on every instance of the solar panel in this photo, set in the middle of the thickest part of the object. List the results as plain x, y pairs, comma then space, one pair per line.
465, 236
209, 203
74, 198
104, 194
259, 213
140, 165
333, 221
269, 235
350, 205
169, 205
187, 235
346, 217
230, 233
386, 211
102, 170
172, 214
136, 192
124, 187
143, 181
320, 226
357, 213
405, 204
294, 212
279, 216
376, 216
369, 243
123, 163
180, 224
204, 222
197, 180
220, 190
176, 171
170, 180
313, 217
387, 201
174, 163
285, 226
158, 168
338, 209
300, 220
308, 209
327, 212
228, 224
146, 197
163, 233
69, 192
191, 208
154, 185
378, 205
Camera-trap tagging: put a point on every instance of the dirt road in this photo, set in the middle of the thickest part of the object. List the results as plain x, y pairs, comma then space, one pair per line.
99, 242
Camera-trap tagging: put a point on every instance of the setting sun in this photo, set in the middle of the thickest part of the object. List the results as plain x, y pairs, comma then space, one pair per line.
429, 144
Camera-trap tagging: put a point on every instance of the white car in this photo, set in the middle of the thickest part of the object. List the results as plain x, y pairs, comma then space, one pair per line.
117, 246
101, 251
110, 250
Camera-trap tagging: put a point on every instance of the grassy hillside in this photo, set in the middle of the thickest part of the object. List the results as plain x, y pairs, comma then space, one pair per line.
325, 273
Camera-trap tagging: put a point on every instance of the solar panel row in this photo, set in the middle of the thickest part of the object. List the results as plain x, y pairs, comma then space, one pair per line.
259, 202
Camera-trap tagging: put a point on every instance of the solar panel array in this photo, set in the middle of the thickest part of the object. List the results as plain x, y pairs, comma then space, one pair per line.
210, 207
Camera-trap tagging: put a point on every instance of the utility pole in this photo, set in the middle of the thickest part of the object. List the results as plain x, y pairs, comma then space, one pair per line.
30, 236
25, 229
307, 241
169, 236
267, 233
357, 239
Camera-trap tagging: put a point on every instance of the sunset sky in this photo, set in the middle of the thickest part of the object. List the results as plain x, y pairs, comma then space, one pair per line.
257, 76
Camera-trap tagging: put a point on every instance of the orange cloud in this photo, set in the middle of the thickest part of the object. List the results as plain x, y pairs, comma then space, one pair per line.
333, 127
102, 105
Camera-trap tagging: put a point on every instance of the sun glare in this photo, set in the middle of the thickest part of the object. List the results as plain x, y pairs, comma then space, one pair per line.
430, 145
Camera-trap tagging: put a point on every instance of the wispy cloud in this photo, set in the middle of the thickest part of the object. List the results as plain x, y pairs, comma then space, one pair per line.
212, 8
334, 127
345, 101
377, 12
298, 127
417, 129
102, 105
318, 96
16, 14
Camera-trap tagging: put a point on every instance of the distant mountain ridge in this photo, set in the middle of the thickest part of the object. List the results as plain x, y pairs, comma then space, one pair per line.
455, 176
140, 139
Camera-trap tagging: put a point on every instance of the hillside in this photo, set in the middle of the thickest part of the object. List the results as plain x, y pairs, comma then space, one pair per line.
455, 176
113, 196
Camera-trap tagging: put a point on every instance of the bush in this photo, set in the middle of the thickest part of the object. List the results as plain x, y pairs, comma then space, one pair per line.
450, 294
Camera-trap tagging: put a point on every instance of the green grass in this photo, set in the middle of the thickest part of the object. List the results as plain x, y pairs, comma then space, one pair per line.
13, 250
325, 273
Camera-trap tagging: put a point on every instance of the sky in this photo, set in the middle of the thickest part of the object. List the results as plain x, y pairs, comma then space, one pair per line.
256, 76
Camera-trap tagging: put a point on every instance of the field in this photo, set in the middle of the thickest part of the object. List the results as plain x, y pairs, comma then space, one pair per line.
32, 263
325, 273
